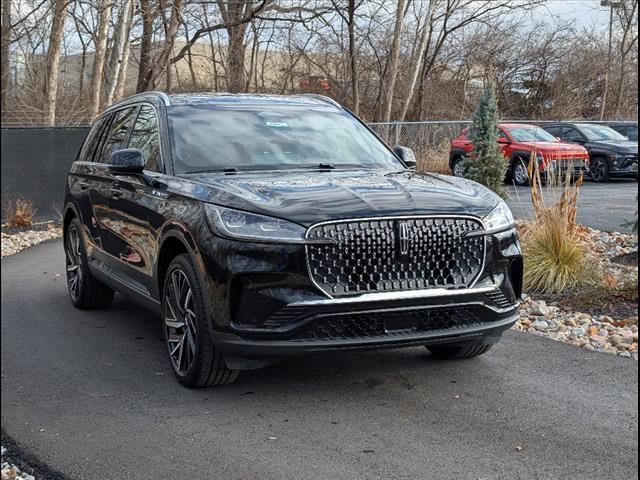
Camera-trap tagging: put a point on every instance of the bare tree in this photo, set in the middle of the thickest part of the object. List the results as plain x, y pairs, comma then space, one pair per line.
53, 61
5, 41
120, 46
95, 89
389, 83
628, 19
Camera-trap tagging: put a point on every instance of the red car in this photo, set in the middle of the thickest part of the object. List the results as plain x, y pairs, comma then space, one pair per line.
520, 143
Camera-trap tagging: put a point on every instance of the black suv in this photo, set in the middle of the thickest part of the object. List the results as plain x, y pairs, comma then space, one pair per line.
262, 226
611, 154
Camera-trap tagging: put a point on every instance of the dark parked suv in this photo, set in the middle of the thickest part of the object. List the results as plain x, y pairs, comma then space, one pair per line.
611, 154
264, 226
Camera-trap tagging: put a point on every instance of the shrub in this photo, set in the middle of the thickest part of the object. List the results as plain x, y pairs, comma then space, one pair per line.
486, 163
554, 254
19, 213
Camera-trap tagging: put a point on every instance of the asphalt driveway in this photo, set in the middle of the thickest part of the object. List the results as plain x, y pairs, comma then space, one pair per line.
605, 206
91, 394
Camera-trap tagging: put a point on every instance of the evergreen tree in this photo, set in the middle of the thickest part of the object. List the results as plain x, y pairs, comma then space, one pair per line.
486, 164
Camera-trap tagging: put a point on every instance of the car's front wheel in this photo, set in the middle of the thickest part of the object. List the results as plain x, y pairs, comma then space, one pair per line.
520, 172
458, 351
599, 170
192, 355
458, 167
84, 290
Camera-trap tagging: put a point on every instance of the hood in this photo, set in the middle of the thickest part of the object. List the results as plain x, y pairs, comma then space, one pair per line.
557, 148
310, 197
626, 147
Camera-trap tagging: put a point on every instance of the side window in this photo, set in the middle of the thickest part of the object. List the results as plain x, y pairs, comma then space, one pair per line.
145, 137
118, 132
93, 139
632, 133
571, 135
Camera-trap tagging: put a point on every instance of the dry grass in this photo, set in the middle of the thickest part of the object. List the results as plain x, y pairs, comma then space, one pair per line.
434, 160
18, 213
554, 255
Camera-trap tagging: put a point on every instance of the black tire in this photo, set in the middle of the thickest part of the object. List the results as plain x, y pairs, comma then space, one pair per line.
203, 366
520, 172
457, 168
458, 351
85, 291
599, 170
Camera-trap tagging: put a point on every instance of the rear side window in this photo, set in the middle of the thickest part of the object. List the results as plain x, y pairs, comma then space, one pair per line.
632, 133
118, 134
93, 139
145, 137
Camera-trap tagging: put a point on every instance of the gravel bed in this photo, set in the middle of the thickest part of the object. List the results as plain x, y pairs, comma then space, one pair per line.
11, 471
600, 333
16, 240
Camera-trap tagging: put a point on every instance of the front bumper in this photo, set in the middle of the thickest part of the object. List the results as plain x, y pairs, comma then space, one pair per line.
262, 303
383, 320
625, 167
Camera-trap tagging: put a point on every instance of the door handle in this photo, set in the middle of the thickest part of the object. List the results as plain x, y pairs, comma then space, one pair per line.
116, 192
83, 185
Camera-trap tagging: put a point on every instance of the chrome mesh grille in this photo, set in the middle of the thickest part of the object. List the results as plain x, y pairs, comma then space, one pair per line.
382, 255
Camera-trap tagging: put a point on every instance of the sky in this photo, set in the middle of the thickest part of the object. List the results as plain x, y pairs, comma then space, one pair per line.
585, 12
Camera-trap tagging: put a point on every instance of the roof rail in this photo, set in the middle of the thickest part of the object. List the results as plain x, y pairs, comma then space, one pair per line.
163, 96
322, 98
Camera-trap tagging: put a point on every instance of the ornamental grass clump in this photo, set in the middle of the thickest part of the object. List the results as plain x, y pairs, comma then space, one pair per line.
19, 213
554, 255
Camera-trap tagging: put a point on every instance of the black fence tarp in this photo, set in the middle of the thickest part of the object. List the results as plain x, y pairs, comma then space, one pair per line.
35, 163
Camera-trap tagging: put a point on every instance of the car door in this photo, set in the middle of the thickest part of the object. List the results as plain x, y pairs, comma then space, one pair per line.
137, 205
85, 183
570, 134
504, 142
115, 138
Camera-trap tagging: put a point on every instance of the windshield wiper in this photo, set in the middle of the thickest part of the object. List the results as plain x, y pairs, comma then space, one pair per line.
326, 166
215, 170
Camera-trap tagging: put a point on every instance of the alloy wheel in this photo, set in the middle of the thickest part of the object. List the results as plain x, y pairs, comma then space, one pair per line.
598, 170
73, 262
180, 322
520, 173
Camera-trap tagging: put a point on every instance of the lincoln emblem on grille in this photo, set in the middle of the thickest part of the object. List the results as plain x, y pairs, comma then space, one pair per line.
403, 238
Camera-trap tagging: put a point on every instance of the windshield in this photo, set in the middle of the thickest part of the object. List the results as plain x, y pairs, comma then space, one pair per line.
530, 134
215, 138
596, 133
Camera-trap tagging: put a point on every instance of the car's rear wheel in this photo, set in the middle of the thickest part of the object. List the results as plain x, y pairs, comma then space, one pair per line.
520, 172
599, 170
458, 167
193, 358
459, 351
84, 290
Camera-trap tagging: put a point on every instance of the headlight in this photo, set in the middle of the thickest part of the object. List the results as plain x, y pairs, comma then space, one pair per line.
239, 225
498, 219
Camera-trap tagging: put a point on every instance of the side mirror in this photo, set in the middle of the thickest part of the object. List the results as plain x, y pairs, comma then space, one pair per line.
558, 139
406, 155
504, 140
127, 160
